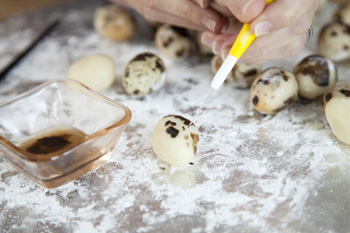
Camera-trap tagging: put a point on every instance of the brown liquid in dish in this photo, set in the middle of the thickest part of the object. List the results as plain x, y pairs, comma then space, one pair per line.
52, 140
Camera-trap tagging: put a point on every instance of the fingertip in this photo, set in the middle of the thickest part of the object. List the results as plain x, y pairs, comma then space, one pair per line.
207, 38
203, 3
250, 9
224, 53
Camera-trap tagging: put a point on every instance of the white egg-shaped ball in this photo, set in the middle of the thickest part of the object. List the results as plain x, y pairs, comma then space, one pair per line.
343, 14
316, 75
174, 140
114, 22
334, 41
95, 71
273, 90
173, 42
336, 105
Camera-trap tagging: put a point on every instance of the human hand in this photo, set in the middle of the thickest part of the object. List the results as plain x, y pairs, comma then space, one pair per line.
280, 32
183, 13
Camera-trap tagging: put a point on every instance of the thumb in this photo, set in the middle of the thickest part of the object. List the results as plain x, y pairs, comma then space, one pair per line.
245, 10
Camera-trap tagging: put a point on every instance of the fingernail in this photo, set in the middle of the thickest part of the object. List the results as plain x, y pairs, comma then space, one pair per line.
262, 28
217, 44
207, 38
209, 23
201, 3
245, 4
225, 53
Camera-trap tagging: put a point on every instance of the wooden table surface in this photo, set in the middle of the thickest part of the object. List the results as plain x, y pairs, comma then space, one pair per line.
11, 7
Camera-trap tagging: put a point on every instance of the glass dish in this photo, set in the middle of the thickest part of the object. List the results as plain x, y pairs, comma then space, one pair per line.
59, 131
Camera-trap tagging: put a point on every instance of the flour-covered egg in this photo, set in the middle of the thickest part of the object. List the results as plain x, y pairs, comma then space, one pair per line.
273, 90
343, 14
144, 74
334, 41
174, 140
336, 105
173, 42
95, 71
114, 22
316, 75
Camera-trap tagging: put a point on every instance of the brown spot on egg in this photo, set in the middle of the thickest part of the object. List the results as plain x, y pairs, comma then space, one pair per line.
127, 72
334, 33
180, 52
346, 29
180, 31
184, 120
285, 78
255, 100
168, 42
188, 144
195, 139
328, 97
345, 92
172, 131
186, 137
250, 72
142, 57
159, 65
170, 123
264, 82
136, 92
317, 67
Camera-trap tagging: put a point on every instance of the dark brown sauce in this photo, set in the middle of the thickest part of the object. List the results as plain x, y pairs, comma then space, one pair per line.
52, 140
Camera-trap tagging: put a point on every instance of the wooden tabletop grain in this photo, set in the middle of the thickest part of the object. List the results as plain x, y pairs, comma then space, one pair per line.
9, 8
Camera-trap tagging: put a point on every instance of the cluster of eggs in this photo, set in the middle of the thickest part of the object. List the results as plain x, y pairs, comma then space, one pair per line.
276, 89
334, 39
174, 139
316, 76
144, 74
334, 42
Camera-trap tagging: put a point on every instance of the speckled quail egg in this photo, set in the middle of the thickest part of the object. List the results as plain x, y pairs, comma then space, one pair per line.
334, 41
174, 140
241, 76
203, 49
336, 105
95, 71
144, 74
316, 75
114, 22
173, 42
343, 14
273, 90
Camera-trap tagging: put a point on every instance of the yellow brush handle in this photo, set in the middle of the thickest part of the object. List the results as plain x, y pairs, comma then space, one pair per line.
244, 39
